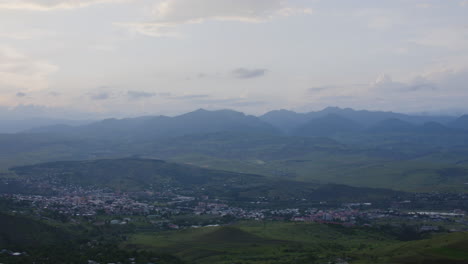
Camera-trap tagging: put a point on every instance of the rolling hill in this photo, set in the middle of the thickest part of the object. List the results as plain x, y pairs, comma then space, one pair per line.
132, 174
445, 248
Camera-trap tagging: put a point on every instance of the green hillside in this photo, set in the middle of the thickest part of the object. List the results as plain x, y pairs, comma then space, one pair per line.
276, 242
446, 248
16, 231
252, 242
133, 174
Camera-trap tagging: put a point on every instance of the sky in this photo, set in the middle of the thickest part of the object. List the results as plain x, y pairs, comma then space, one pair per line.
81, 58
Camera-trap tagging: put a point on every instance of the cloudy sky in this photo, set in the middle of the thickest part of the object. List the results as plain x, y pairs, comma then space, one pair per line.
134, 57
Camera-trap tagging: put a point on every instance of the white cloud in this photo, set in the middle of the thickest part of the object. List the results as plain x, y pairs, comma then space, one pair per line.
151, 29
444, 81
385, 85
433, 91
48, 5
20, 71
169, 14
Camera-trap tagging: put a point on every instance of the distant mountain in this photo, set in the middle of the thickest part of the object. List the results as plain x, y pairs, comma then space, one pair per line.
57, 128
15, 126
369, 118
392, 126
289, 120
127, 128
203, 121
364, 117
154, 127
460, 123
327, 126
285, 120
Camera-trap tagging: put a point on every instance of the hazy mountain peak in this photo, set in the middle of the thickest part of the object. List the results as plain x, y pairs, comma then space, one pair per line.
284, 120
204, 112
200, 110
333, 108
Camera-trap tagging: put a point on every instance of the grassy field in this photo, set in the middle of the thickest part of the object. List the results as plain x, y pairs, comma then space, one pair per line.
443, 248
257, 242
279, 242
253, 242
415, 175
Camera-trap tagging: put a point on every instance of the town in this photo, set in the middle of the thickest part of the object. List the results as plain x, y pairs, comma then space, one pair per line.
163, 210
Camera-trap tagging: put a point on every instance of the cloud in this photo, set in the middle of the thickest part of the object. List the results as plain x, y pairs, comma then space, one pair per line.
100, 96
444, 81
385, 82
427, 92
136, 95
421, 87
449, 80
443, 88
206, 99
49, 5
151, 29
20, 94
169, 14
319, 89
190, 97
21, 71
419, 84
248, 103
226, 102
243, 73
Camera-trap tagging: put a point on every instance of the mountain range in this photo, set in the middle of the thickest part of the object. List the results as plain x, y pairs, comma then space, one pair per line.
327, 122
